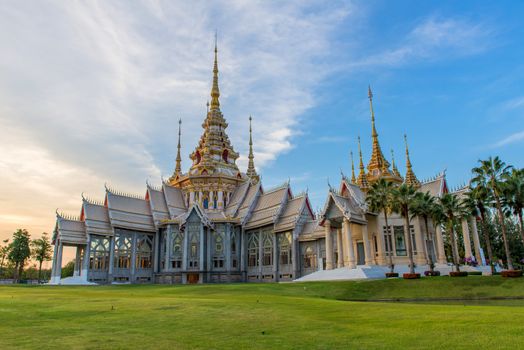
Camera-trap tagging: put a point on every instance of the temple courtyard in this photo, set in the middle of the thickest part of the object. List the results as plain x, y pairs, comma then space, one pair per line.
432, 313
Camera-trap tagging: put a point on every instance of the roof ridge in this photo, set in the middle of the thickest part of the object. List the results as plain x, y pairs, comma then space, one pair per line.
92, 201
67, 216
123, 194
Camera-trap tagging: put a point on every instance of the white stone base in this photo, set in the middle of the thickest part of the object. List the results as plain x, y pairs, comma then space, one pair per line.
71, 281
376, 272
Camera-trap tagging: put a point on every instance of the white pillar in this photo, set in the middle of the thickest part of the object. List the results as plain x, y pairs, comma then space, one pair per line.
111, 259
329, 245
53, 265
381, 244
220, 200
476, 241
368, 258
85, 263
466, 238
349, 246
76, 271
58, 270
421, 257
340, 248
441, 253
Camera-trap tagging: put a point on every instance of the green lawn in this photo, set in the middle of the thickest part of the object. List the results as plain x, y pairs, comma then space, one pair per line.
262, 316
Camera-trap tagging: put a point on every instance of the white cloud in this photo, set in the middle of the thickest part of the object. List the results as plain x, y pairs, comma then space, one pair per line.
433, 39
90, 91
510, 139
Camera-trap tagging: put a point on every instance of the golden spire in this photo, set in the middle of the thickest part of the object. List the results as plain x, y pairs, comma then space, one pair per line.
251, 171
411, 179
378, 166
394, 166
362, 179
215, 92
178, 167
353, 178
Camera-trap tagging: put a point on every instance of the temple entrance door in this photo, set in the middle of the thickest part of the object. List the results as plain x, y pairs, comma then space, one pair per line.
361, 258
192, 278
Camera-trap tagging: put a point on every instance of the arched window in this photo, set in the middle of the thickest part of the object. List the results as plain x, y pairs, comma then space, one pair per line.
206, 203
267, 258
285, 248
225, 154
144, 245
122, 258
310, 258
252, 250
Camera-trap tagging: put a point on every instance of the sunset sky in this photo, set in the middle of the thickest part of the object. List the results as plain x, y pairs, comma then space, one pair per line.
91, 92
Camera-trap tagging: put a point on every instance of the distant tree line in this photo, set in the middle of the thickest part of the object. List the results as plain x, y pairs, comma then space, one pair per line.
18, 252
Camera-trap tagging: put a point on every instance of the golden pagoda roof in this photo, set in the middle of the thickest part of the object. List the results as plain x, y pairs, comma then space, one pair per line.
251, 171
214, 152
362, 180
410, 179
378, 166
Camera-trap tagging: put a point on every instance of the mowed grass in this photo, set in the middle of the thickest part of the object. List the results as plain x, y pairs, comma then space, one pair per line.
263, 316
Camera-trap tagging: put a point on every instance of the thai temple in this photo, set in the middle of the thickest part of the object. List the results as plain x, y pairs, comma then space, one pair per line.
216, 223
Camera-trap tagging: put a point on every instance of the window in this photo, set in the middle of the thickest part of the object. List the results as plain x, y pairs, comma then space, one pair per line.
99, 253
176, 259
177, 244
206, 203
219, 246
252, 250
218, 262
388, 240
233, 243
400, 243
285, 248
194, 250
144, 245
123, 246
310, 259
267, 256
413, 241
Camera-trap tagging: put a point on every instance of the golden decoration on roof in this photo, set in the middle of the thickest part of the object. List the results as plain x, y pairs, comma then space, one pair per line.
362, 180
251, 171
410, 179
353, 178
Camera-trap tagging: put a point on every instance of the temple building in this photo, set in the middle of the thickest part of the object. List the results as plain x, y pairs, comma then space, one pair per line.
216, 223
349, 235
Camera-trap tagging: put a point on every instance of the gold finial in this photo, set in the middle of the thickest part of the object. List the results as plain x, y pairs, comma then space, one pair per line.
178, 167
378, 165
353, 178
374, 133
251, 171
362, 179
410, 179
394, 166
215, 92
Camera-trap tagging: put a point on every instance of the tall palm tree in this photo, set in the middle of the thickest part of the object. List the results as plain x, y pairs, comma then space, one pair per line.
379, 199
514, 195
424, 207
478, 199
492, 173
452, 210
403, 198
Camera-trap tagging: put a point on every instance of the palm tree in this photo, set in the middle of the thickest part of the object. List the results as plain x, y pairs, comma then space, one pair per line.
403, 198
424, 207
492, 173
379, 199
478, 198
452, 210
514, 195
